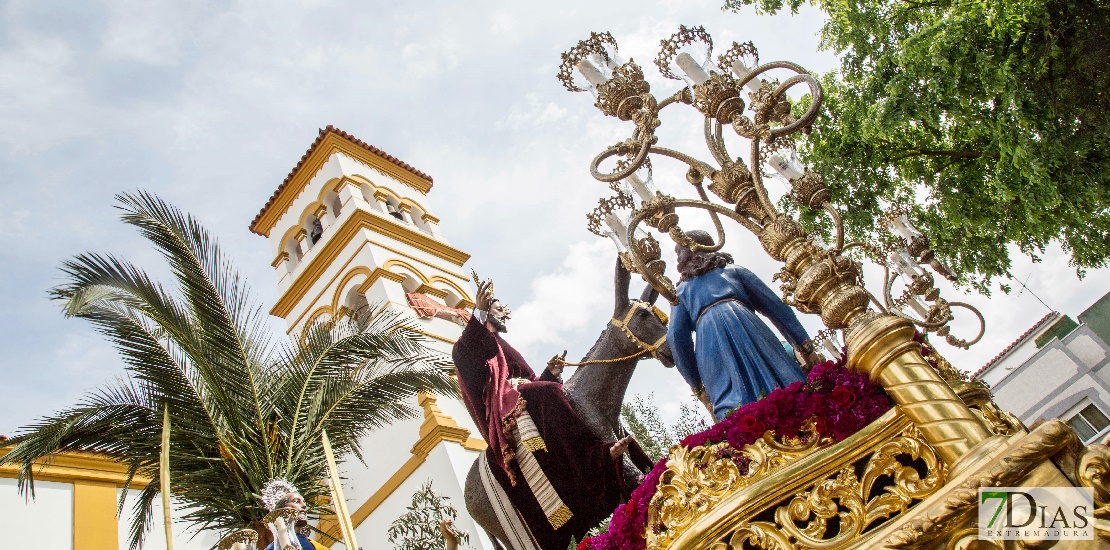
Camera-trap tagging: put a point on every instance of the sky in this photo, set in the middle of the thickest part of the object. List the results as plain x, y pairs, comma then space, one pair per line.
210, 104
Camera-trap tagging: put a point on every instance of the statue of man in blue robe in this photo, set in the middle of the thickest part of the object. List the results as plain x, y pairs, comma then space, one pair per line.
736, 359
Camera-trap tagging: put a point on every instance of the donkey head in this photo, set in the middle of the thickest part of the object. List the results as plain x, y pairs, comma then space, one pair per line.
644, 325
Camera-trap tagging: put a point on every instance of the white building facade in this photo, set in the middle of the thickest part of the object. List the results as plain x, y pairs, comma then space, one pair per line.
1066, 376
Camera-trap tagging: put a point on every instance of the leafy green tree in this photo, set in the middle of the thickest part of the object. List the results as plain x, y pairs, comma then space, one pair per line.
991, 115
242, 410
418, 528
641, 418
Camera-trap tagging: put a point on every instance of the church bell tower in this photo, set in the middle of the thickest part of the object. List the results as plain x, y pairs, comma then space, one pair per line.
349, 228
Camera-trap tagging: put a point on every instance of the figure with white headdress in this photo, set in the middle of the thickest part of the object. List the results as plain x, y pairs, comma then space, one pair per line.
287, 516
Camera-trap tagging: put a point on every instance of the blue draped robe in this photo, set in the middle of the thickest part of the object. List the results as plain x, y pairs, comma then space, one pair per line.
737, 358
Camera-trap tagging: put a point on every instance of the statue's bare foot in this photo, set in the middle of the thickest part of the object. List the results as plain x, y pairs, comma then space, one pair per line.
620, 447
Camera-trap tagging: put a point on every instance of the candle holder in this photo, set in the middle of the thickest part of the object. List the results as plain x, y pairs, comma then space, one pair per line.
282, 523
816, 278
243, 539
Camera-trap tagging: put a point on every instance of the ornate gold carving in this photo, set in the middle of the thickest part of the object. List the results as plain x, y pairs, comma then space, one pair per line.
845, 497
717, 97
1038, 446
770, 111
697, 479
625, 93
855, 497
813, 279
731, 183
809, 190
1093, 470
779, 234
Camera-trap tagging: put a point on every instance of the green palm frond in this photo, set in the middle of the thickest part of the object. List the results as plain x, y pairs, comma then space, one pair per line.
242, 410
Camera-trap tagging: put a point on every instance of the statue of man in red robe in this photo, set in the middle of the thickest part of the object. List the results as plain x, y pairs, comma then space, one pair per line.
559, 476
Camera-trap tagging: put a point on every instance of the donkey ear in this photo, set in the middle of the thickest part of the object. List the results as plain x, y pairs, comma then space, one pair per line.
620, 283
650, 295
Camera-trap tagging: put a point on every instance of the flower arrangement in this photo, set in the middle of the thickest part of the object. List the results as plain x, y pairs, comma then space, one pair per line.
838, 401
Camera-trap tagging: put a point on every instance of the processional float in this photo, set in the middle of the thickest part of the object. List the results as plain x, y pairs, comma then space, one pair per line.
911, 478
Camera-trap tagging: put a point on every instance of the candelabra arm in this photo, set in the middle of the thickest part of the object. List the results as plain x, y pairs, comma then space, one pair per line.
757, 178
839, 225
720, 243
811, 113
682, 96
982, 327
621, 149
875, 300
703, 168
714, 142
888, 283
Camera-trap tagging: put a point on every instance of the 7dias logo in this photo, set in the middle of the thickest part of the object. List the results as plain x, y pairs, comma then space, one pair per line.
1036, 513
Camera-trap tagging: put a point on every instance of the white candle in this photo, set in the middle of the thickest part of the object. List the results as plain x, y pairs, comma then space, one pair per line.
786, 166
911, 263
831, 348
618, 227
897, 225
611, 61
616, 241
591, 73
918, 306
691, 68
741, 71
238, 546
645, 189
909, 226
902, 266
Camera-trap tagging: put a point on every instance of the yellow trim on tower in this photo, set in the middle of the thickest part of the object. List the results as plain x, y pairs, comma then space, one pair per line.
331, 144
436, 428
360, 219
95, 526
431, 291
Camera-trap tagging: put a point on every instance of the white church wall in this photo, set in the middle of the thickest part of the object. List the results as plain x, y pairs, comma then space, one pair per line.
45, 522
184, 538
438, 467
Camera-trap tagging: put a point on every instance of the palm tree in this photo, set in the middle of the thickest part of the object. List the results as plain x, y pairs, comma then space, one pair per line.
242, 410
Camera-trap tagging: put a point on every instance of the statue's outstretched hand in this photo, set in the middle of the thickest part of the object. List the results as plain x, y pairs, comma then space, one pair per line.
808, 358
620, 447
447, 529
484, 297
556, 364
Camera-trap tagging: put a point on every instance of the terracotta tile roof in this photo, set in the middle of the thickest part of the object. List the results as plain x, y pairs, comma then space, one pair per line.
1044, 320
319, 139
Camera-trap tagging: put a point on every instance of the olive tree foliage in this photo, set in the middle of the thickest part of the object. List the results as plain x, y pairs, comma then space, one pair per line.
640, 418
987, 117
418, 527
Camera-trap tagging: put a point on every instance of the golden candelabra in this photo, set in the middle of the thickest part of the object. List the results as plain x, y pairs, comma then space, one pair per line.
948, 426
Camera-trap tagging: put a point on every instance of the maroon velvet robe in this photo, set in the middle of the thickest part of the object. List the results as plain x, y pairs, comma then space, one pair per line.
576, 462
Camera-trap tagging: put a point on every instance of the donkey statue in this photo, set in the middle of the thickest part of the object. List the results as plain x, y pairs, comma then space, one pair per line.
596, 390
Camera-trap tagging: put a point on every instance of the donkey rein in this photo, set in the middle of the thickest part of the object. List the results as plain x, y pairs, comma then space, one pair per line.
564, 363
